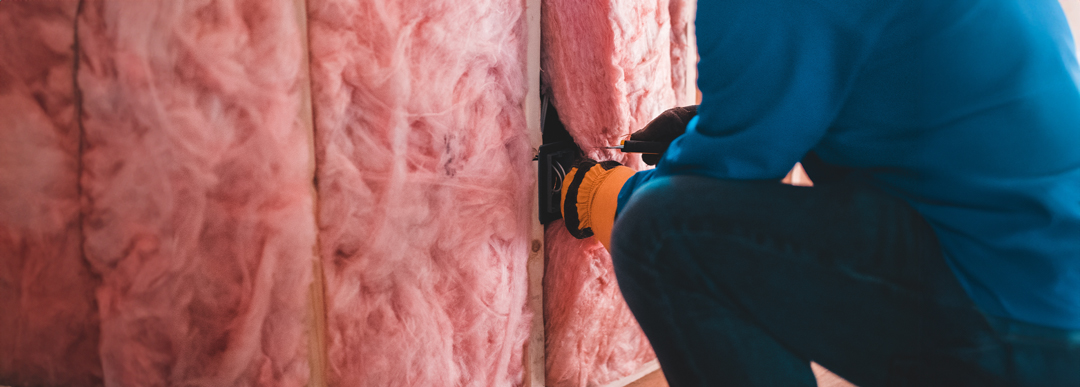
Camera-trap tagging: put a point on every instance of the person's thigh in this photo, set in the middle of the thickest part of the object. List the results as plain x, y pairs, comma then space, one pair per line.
843, 275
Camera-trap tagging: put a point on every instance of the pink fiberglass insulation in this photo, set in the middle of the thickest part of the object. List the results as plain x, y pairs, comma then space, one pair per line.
610, 66
424, 181
592, 338
683, 52
48, 320
197, 191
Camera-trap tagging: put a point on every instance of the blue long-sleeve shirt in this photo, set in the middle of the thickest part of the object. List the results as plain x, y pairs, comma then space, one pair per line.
967, 109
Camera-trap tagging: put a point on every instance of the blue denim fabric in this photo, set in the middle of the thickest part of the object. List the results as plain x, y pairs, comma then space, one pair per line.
742, 283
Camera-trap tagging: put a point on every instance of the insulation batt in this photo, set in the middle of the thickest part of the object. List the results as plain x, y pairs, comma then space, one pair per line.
683, 52
425, 189
609, 66
48, 320
592, 338
197, 191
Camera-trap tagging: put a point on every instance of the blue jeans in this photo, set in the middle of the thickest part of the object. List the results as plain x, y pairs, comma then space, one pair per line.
740, 283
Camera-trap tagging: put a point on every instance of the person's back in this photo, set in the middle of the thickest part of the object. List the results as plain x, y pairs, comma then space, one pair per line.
970, 110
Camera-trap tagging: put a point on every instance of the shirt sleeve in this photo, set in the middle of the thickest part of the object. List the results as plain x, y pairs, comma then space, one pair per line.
773, 74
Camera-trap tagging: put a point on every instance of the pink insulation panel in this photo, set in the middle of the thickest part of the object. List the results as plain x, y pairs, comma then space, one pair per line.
608, 65
425, 189
48, 319
592, 338
683, 51
611, 67
197, 191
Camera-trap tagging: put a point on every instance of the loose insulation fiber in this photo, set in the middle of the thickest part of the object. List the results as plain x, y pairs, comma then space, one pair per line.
197, 191
425, 189
48, 320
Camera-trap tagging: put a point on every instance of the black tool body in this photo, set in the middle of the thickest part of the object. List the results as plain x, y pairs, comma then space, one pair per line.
556, 157
631, 146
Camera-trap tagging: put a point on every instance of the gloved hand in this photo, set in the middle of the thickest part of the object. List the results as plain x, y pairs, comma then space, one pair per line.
664, 128
590, 195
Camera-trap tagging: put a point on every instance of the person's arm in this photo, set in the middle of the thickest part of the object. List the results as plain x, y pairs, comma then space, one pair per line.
593, 188
774, 74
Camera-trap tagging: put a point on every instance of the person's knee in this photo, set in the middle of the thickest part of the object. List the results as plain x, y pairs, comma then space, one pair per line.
643, 216
653, 210
681, 203
675, 198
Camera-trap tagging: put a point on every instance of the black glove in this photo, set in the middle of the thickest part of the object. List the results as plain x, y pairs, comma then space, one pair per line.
664, 128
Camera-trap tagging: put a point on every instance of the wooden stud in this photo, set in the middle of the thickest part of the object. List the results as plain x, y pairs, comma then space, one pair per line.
534, 347
316, 293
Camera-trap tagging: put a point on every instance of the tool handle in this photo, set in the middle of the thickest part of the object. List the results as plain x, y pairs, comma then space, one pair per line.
630, 146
